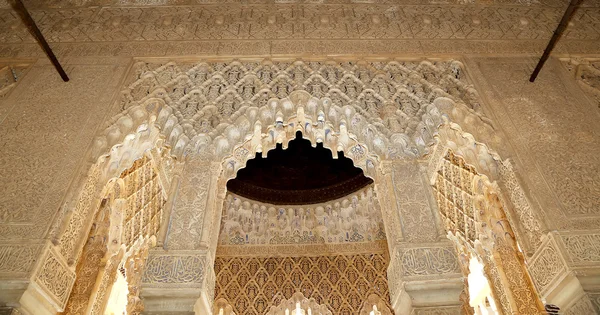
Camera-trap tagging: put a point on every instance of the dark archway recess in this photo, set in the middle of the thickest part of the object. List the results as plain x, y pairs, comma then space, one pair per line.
300, 174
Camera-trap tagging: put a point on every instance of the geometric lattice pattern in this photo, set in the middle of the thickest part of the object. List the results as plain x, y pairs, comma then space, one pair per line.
341, 282
145, 201
455, 196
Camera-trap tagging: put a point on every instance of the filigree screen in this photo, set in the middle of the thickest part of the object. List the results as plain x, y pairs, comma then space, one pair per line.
145, 201
454, 195
342, 282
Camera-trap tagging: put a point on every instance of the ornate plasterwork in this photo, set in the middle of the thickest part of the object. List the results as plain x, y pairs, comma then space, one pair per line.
546, 265
145, 200
554, 137
174, 269
90, 266
587, 73
342, 282
437, 311
411, 195
454, 195
54, 277
582, 248
582, 306
189, 209
157, 28
18, 259
526, 219
85, 207
355, 218
302, 249
209, 107
425, 261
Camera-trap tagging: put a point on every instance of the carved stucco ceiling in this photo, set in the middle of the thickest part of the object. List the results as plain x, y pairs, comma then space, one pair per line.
300, 174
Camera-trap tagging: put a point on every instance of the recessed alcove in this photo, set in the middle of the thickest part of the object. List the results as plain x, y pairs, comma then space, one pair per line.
299, 174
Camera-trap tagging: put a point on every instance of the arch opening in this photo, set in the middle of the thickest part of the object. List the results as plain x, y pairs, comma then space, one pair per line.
299, 174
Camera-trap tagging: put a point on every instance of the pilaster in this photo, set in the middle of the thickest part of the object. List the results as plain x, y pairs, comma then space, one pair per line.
566, 269
178, 282
424, 271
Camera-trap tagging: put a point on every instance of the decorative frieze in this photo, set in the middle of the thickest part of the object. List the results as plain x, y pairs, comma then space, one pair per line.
174, 270
582, 248
582, 306
155, 28
426, 261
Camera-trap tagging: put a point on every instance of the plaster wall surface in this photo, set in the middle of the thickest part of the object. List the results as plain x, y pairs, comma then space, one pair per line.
548, 129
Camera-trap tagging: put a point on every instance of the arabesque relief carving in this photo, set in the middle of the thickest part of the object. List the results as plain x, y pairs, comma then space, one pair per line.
157, 28
210, 112
473, 215
342, 282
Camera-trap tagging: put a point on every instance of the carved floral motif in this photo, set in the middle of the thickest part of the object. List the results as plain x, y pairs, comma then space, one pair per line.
55, 277
253, 284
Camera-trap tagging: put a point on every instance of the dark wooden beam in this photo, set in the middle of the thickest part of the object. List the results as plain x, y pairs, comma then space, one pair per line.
555, 37
30, 23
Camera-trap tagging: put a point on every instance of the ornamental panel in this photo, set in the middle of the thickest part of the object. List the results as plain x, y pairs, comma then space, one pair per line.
341, 282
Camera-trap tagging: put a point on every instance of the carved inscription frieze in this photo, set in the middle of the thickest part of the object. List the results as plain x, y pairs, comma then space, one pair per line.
18, 259
163, 270
423, 261
583, 248
546, 265
437, 311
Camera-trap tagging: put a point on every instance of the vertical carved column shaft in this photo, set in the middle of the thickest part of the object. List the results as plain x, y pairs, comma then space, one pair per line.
162, 233
214, 207
385, 192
